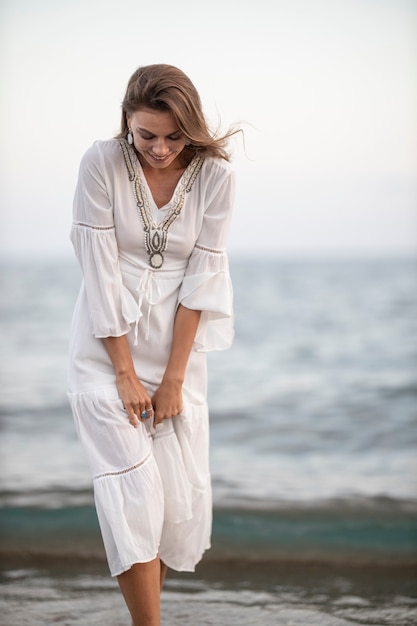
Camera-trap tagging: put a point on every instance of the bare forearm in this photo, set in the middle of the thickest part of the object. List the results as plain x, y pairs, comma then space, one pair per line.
167, 400
119, 353
185, 328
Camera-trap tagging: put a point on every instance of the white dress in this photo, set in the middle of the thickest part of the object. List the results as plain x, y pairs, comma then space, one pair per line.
151, 486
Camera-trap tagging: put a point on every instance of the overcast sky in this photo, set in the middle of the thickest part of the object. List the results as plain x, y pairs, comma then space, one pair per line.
326, 91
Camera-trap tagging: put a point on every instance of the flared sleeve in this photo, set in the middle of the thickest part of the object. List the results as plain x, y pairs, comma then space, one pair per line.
207, 286
111, 306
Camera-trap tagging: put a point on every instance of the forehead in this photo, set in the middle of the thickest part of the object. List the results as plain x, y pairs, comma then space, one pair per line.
156, 122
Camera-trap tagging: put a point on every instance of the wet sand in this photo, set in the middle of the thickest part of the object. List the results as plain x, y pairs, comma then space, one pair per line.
245, 594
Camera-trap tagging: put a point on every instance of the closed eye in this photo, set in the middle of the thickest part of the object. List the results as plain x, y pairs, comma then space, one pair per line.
148, 136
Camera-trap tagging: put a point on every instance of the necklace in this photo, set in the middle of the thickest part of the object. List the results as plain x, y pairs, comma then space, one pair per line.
156, 235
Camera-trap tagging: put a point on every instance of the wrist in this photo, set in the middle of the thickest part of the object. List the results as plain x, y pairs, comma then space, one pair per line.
124, 372
173, 379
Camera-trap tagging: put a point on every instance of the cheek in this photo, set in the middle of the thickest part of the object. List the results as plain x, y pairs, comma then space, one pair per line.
140, 144
179, 146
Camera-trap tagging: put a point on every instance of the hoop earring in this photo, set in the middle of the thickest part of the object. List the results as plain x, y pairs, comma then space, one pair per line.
130, 137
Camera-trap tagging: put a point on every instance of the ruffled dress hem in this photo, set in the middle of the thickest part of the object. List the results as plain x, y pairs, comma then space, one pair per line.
152, 490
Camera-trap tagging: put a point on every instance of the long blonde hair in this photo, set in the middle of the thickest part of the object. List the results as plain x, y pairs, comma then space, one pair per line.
164, 87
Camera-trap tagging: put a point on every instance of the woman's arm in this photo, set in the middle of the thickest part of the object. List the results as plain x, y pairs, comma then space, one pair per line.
133, 394
167, 400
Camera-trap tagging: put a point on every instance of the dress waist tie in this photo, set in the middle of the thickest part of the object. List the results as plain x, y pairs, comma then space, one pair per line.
149, 288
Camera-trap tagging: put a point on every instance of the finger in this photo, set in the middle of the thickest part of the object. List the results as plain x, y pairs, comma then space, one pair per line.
133, 418
158, 416
147, 412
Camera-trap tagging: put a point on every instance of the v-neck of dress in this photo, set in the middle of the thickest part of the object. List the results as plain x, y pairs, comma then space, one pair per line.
157, 222
149, 193
144, 197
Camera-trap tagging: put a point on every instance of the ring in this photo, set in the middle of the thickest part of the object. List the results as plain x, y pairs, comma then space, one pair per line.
144, 415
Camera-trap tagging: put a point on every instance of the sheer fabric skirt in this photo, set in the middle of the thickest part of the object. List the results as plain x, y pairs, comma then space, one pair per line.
152, 487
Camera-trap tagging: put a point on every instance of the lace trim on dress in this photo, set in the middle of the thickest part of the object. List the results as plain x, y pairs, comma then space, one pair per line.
125, 471
94, 227
208, 249
156, 235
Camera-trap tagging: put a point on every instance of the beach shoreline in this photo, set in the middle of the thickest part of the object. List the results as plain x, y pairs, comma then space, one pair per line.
69, 591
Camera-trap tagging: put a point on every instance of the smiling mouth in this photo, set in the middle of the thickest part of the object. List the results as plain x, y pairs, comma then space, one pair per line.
160, 158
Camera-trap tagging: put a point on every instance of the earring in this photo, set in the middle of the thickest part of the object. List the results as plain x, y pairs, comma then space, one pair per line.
130, 137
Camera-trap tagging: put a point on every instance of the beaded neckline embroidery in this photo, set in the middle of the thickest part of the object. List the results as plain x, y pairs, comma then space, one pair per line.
156, 235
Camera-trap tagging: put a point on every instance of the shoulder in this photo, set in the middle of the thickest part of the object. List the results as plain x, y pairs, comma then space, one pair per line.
216, 171
107, 150
217, 167
102, 159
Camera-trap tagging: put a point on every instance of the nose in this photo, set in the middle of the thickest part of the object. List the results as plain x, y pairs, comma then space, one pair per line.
160, 147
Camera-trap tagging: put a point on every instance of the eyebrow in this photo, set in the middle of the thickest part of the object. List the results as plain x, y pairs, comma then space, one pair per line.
145, 130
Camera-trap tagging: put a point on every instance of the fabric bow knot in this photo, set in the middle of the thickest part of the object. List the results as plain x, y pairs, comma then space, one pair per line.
148, 288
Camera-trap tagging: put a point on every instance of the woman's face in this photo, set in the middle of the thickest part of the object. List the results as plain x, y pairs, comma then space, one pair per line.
156, 137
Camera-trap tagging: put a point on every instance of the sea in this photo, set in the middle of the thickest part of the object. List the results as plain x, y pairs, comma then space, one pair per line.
313, 453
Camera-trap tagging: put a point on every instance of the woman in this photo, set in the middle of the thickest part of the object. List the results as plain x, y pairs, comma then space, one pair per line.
151, 215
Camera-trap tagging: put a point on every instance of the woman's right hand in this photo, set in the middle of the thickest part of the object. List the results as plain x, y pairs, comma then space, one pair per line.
134, 396
132, 393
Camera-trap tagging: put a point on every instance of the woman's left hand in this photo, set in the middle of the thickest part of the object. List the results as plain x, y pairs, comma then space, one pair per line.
167, 401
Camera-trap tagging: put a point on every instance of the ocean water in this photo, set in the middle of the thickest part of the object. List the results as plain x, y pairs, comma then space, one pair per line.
313, 443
